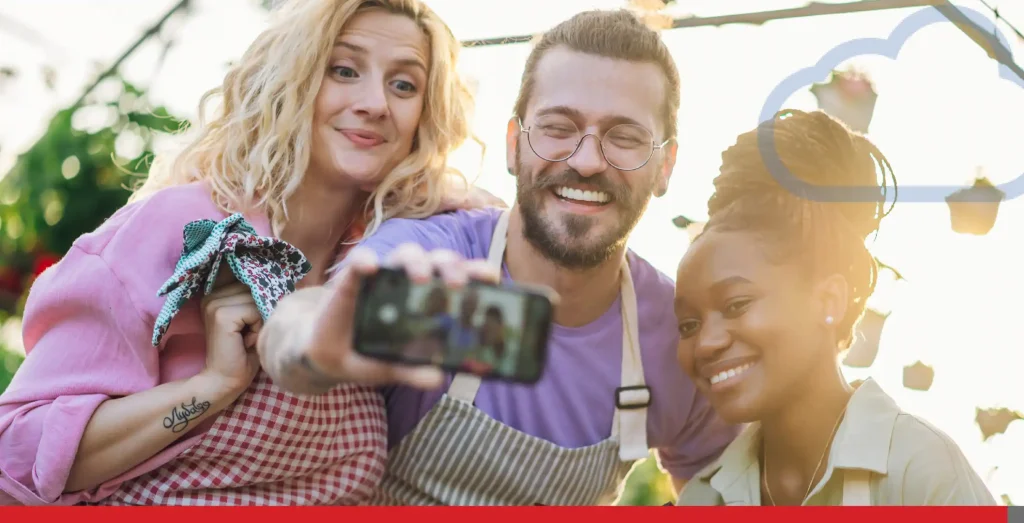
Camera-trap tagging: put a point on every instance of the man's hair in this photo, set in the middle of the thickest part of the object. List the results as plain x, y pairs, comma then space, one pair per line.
615, 34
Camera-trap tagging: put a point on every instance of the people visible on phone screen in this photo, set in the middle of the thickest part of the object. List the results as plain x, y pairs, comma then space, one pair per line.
492, 342
463, 336
429, 343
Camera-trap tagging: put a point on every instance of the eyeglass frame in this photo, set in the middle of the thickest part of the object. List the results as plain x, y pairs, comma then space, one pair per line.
600, 142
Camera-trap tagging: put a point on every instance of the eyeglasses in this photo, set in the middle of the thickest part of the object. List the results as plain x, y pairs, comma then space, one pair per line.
627, 147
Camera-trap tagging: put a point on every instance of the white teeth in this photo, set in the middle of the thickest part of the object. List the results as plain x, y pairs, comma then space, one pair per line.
583, 196
731, 373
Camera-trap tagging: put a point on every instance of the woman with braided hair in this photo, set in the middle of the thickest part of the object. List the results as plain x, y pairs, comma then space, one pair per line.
767, 297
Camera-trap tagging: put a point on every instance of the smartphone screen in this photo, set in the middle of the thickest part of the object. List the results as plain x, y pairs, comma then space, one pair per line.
491, 331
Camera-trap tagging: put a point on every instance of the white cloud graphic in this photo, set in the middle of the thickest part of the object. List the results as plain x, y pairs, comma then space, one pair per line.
888, 47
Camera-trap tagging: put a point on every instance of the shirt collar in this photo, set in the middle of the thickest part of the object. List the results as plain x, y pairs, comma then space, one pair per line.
862, 442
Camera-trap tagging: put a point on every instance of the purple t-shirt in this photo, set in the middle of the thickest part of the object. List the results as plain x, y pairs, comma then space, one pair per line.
573, 403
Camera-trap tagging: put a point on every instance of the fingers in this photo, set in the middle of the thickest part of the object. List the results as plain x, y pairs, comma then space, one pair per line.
374, 372
450, 265
414, 260
227, 290
252, 335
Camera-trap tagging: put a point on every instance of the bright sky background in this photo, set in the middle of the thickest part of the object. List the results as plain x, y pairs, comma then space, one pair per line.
942, 112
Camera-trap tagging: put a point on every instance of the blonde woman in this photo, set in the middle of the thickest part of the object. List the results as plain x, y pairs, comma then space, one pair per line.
339, 115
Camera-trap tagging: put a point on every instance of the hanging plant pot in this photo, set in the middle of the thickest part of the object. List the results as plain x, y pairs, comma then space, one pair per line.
864, 349
918, 376
995, 421
974, 210
850, 97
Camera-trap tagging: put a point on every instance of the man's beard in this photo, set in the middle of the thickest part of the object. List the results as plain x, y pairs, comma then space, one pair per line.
573, 252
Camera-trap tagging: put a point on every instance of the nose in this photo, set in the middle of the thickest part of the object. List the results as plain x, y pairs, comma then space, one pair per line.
371, 101
589, 159
713, 338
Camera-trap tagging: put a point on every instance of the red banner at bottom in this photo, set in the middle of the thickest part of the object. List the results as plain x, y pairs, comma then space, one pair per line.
501, 514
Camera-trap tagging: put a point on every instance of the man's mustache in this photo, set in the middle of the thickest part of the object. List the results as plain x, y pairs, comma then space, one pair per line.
598, 182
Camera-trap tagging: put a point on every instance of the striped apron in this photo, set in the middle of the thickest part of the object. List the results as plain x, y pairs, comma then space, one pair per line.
459, 455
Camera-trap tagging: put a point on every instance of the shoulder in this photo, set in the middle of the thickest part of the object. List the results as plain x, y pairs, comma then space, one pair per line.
466, 231
930, 468
154, 222
143, 241
652, 285
655, 293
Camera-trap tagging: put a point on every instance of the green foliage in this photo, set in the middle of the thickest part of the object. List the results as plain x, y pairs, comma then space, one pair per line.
9, 362
647, 486
75, 177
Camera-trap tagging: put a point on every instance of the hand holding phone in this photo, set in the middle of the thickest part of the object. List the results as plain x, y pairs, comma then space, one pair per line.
328, 346
492, 330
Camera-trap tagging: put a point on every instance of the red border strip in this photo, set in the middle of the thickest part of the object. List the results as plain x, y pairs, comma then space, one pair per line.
502, 514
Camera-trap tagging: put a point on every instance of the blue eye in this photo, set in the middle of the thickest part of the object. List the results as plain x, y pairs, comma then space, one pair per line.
405, 87
344, 71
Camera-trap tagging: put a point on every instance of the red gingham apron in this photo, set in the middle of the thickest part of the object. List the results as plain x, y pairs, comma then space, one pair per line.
274, 448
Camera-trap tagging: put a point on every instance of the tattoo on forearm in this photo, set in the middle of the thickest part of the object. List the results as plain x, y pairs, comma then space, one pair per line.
180, 417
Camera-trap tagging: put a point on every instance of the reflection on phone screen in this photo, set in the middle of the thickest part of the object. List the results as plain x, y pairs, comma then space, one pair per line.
481, 329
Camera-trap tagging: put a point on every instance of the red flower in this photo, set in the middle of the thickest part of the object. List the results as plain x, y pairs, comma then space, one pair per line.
44, 261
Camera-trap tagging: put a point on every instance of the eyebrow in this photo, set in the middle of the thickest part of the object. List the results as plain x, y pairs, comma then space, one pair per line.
716, 288
407, 62
724, 283
575, 114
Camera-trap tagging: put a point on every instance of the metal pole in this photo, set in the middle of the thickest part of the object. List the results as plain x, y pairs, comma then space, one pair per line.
757, 18
154, 29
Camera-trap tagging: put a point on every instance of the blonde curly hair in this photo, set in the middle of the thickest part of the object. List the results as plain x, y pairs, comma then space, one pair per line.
255, 151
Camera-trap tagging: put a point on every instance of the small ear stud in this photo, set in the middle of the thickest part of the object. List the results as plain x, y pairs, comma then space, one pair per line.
829, 320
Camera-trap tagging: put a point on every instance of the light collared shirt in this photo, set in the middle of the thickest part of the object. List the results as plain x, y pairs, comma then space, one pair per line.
910, 462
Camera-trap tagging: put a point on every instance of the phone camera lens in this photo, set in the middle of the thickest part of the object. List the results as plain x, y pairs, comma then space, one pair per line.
388, 314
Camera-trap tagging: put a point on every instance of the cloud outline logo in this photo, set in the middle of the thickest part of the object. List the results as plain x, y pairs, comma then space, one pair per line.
888, 47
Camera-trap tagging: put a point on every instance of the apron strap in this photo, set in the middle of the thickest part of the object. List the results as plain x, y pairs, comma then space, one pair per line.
633, 396
856, 488
465, 386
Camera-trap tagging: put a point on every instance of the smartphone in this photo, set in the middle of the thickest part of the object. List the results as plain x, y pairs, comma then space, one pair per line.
493, 331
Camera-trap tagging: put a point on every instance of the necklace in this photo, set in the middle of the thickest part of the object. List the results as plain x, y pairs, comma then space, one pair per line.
764, 475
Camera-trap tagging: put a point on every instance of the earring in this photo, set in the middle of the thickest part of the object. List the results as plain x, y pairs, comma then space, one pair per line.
829, 320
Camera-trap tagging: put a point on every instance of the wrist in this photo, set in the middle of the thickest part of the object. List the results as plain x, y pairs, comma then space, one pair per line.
215, 389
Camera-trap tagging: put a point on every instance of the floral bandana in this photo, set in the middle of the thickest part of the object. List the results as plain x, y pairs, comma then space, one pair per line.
268, 266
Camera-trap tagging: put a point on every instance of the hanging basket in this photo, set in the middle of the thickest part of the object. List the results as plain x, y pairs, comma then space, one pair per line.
918, 376
864, 349
995, 421
974, 210
849, 97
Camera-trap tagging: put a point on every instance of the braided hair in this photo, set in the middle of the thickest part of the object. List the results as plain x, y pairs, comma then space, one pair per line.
824, 237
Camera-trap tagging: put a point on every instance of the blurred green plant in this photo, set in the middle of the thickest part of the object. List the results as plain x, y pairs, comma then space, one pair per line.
71, 180
9, 362
647, 485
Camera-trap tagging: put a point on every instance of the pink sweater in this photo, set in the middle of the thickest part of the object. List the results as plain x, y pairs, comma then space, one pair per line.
87, 329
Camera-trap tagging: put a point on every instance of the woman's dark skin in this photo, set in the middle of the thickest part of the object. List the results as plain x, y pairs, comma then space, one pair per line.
737, 308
